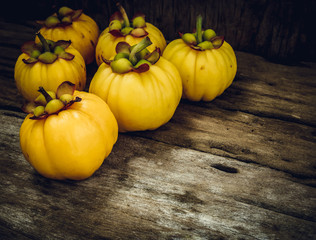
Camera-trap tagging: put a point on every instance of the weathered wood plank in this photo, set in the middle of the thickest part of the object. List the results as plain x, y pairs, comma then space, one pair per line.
273, 90
239, 167
266, 104
285, 146
260, 87
276, 29
257, 27
15, 38
147, 189
9, 95
266, 117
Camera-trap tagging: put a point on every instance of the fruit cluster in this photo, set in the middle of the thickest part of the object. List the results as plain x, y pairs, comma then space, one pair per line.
133, 58
49, 102
120, 24
47, 51
203, 40
138, 85
65, 16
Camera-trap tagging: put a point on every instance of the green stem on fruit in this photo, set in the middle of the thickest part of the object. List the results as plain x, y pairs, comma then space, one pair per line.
199, 29
137, 48
48, 98
43, 41
124, 15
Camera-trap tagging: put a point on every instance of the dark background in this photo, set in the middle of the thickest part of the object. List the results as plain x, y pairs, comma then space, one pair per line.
280, 30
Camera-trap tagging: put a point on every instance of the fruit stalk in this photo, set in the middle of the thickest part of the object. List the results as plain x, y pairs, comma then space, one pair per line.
199, 29
124, 15
43, 41
48, 98
137, 48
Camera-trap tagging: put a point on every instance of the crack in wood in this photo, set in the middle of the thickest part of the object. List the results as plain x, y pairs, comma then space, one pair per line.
224, 168
280, 117
274, 209
308, 180
12, 111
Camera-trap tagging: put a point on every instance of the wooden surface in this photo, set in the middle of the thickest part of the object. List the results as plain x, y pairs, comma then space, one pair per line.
278, 29
239, 167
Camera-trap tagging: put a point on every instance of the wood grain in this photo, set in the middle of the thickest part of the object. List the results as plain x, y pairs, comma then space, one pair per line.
276, 29
239, 167
154, 189
265, 117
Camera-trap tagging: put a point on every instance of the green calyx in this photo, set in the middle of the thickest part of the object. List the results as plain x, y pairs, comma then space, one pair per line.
120, 25
135, 58
202, 40
64, 16
49, 102
46, 51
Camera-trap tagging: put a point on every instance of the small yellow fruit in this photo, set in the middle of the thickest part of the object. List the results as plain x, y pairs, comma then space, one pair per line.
66, 98
115, 25
139, 22
39, 110
54, 106
51, 21
42, 100
121, 65
208, 34
63, 11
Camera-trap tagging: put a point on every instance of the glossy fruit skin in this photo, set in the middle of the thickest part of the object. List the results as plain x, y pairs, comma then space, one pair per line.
29, 77
83, 33
73, 143
205, 74
140, 101
107, 42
